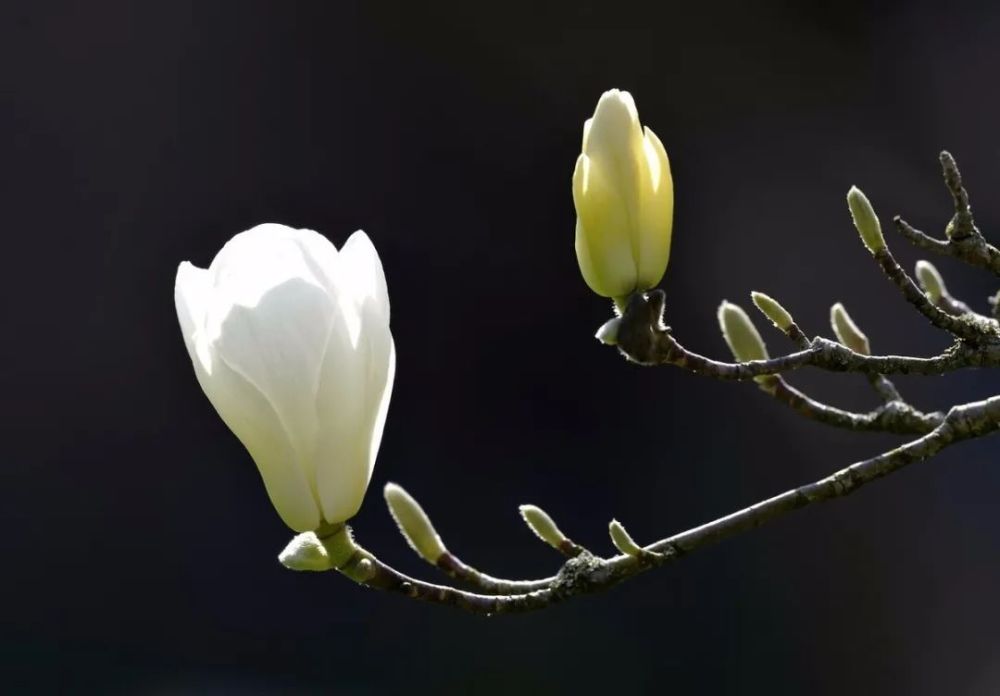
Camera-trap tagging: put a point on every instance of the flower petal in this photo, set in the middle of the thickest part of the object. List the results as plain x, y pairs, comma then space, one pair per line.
278, 346
353, 399
363, 274
604, 245
253, 262
192, 298
656, 212
250, 416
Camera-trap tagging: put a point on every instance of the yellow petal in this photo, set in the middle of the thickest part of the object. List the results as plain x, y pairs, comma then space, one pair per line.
603, 240
656, 213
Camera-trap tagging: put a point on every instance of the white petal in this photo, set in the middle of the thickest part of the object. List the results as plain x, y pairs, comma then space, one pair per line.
363, 274
192, 297
252, 419
278, 346
353, 401
255, 261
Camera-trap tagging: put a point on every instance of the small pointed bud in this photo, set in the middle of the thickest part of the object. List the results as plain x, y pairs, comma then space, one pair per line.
305, 552
770, 308
931, 281
608, 333
622, 540
865, 220
414, 524
543, 526
847, 331
741, 335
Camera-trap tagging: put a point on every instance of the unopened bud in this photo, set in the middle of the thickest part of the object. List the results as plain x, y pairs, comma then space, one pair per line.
847, 331
414, 524
543, 526
741, 335
770, 308
608, 333
622, 540
865, 220
305, 552
931, 281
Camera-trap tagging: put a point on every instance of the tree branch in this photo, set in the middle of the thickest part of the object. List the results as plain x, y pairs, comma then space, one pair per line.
587, 573
894, 416
964, 326
643, 339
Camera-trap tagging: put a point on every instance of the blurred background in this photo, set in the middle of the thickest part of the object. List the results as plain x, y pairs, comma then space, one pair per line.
139, 546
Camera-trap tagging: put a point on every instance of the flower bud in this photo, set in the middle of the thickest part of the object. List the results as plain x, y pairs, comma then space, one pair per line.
931, 281
414, 524
741, 335
306, 552
847, 331
290, 341
622, 540
624, 198
543, 526
608, 332
865, 220
770, 308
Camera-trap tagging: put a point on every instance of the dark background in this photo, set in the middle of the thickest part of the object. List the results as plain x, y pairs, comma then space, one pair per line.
138, 546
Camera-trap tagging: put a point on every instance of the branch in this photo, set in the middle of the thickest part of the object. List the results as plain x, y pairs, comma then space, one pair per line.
894, 416
643, 339
964, 326
487, 584
586, 573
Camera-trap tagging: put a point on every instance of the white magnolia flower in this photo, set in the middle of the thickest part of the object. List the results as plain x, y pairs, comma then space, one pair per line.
624, 197
290, 341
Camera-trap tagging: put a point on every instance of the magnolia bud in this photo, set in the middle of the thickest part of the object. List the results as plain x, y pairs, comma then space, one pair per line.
847, 331
865, 220
305, 552
741, 335
622, 541
608, 333
290, 341
624, 198
931, 281
543, 526
770, 308
414, 524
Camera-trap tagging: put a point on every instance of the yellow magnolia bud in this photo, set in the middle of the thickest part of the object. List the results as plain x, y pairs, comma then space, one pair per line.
414, 524
770, 308
931, 281
543, 526
624, 198
847, 331
865, 220
740, 333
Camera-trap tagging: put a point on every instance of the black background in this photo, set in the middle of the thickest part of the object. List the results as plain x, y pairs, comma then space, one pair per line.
138, 545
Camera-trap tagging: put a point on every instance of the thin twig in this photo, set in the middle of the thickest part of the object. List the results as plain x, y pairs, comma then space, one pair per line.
895, 416
587, 573
643, 339
962, 225
487, 584
961, 326
976, 253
